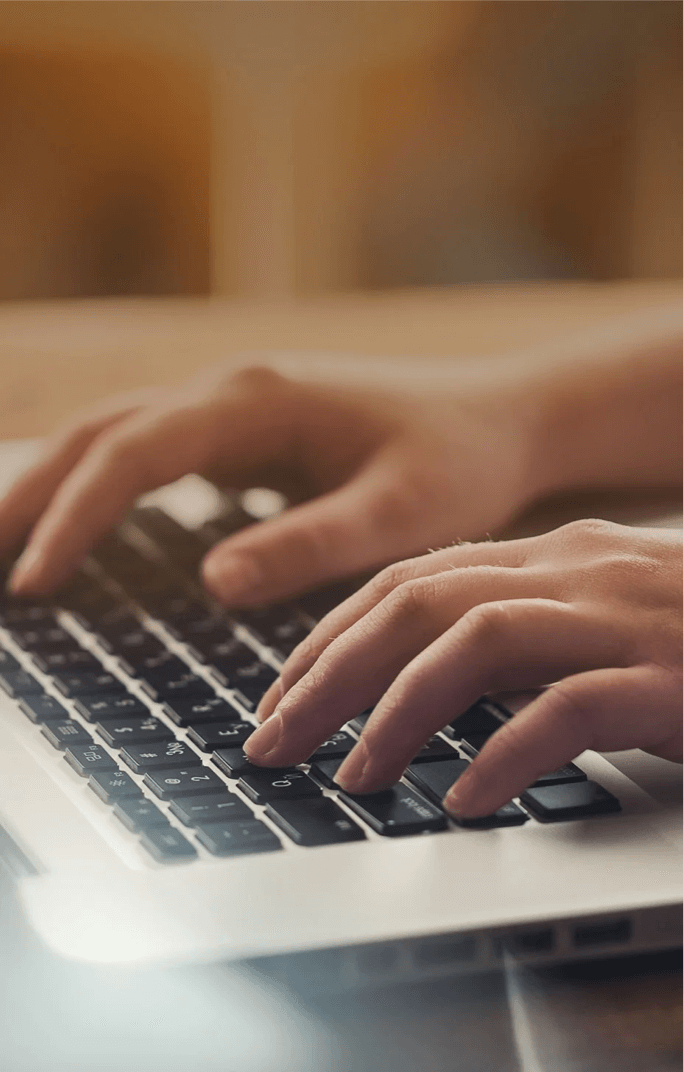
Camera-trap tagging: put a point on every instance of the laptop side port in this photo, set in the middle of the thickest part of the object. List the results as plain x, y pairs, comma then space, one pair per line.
610, 932
455, 949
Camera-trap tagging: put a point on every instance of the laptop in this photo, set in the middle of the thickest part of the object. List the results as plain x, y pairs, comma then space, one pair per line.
137, 834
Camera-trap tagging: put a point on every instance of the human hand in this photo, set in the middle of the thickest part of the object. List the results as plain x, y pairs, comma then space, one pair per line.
387, 474
592, 606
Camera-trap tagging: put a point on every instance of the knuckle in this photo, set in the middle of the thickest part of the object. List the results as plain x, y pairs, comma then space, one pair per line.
489, 623
256, 379
410, 600
397, 506
571, 705
390, 578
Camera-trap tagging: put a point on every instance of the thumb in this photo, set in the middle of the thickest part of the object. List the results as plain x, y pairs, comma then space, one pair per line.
365, 523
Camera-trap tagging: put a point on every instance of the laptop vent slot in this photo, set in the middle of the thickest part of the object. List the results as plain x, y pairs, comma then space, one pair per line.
608, 933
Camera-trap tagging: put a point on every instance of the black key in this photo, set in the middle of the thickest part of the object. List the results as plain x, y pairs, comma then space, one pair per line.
85, 758
359, 723
42, 708
161, 688
75, 659
220, 647
574, 800
88, 684
280, 627
213, 808
136, 644
170, 784
176, 612
174, 540
508, 815
477, 719
249, 689
435, 748
116, 622
65, 733
90, 612
133, 731
436, 778
113, 785
40, 638
163, 756
237, 839
243, 675
314, 822
473, 743
138, 814
211, 735
8, 661
397, 812
289, 784
322, 600
199, 712
326, 769
164, 661
25, 614
569, 773
19, 683
233, 762
167, 844
117, 705
339, 744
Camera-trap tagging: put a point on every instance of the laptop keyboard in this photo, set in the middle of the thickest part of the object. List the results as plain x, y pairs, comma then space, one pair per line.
147, 690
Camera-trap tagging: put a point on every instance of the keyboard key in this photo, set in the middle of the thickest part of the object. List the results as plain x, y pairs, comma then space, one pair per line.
65, 733
133, 731
238, 838
42, 708
40, 638
314, 822
8, 661
280, 627
211, 735
339, 744
473, 743
360, 721
88, 684
216, 807
163, 662
167, 844
116, 621
508, 815
326, 769
186, 712
477, 719
574, 800
569, 773
113, 785
116, 706
138, 814
163, 756
176, 612
160, 687
85, 758
288, 784
233, 762
397, 812
25, 614
168, 785
218, 645
134, 644
19, 683
436, 778
435, 748
249, 683
75, 659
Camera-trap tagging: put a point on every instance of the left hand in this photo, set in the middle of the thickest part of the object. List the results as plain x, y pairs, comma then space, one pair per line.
592, 606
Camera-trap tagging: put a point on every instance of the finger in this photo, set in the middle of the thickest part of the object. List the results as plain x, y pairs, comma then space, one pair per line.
495, 556
512, 645
28, 497
357, 668
606, 709
156, 447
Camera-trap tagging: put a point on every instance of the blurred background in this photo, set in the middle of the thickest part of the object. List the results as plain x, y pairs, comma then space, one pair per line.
264, 148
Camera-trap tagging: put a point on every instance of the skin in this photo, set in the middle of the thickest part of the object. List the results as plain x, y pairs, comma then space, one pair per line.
380, 475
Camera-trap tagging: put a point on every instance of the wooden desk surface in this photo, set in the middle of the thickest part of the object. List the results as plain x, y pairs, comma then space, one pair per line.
55, 357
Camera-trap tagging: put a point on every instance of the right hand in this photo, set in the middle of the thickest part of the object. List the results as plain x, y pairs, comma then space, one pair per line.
386, 474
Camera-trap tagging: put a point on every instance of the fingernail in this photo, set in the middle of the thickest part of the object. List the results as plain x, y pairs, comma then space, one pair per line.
231, 577
352, 774
264, 740
27, 564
